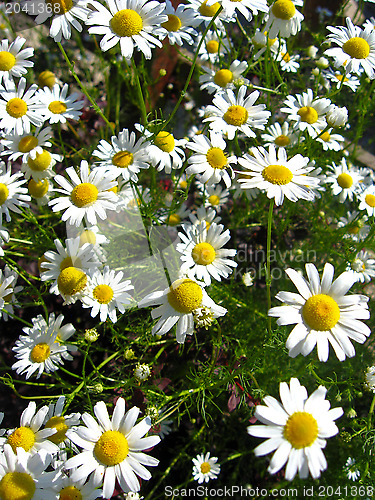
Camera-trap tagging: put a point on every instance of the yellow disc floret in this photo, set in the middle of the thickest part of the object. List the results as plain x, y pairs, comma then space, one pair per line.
27, 143
236, 115
205, 467
344, 180
41, 161
59, 7
46, 79
87, 236
277, 174
122, 159
59, 424
283, 9
70, 493
84, 194
173, 23
357, 48
4, 193
103, 294
16, 107
301, 430
209, 10
40, 352
7, 60
112, 448
282, 140
71, 280
185, 296
370, 200
216, 158
214, 199
326, 136
38, 189
173, 220
22, 437
57, 107
212, 47
321, 312
223, 77
203, 253
17, 486
308, 114
126, 22
164, 141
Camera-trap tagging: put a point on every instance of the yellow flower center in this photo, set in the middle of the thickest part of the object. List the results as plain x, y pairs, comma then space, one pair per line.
182, 184
57, 107
71, 280
112, 448
59, 7
68, 262
203, 254
285, 56
205, 466
87, 236
209, 10
59, 424
40, 353
340, 78
173, 220
103, 294
282, 140
7, 60
122, 159
41, 161
277, 174
70, 493
27, 143
17, 486
16, 107
22, 437
164, 141
345, 181
46, 79
84, 194
356, 48
223, 77
173, 23
326, 137
283, 9
38, 189
185, 296
4, 193
212, 47
216, 158
214, 199
308, 114
301, 430
321, 312
236, 115
126, 22
369, 199
353, 230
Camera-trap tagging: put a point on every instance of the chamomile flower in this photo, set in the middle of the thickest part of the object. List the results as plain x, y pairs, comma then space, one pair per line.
344, 181
307, 112
284, 19
132, 23
338, 79
229, 113
205, 468
215, 197
323, 314
174, 216
331, 141
176, 305
4, 238
27, 144
79, 489
297, 429
124, 156
370, 378
40, 191
356, 48
207, 9
58, 106
352, 472
366, 200
262, 42
273, 173
180, 25
7, 283
55, 419
203, 214
246, 7
356, 226
215, 45
288, 63
113, 448
363, 267
29, 434
202, 254
13, 60
142, 372
279, 135
210, 161
63, 333
10, 298
105, 292
87, 195
215, 81
40, 167
20, 109
12, 194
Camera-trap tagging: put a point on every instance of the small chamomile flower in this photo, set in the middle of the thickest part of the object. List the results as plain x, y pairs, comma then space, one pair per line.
7, 283
13, 60
207, 9
214, 46
203, 214
215, 197
284, 19
246, 7
58, 106
205, 468
55, 419
352, 472
355, 225
12, 194
142, 372
367, 200
279, 135
338, 79
261, 42
4, 238
10, 298
180, 25
40, 191
370, 378
331, 141
363, 267
345, 181
215, 81
63, 332
40, 167
78, 489
27, 144
288, 63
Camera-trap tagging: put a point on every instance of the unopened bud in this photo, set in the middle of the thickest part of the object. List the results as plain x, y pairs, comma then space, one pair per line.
336, 116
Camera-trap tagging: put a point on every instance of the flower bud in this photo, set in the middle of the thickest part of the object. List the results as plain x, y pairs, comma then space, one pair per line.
336, 116
322, 63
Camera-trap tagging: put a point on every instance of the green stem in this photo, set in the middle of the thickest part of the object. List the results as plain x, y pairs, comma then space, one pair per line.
140, 94
370, 413
268, 261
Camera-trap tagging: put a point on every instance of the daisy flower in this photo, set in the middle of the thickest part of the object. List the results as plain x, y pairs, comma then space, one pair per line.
279, 135
202, 254
367, 200
205, 468
230, 113
215, 197
331, 141
307, 113
7, 282
176, 304
11, 290
4, 238
132, 23
124, 156
323, 314
246, 7
273, 173
13, 60
113, 448
12, 195
40, 191
26, 145
218, 80
91, 235
207, 9
63, 332
287, 62
28, 435
370, 378
297, 428
180, 25
18, 109
40, 167
65, 13
356, 226
80, 490
58, 106
87, 196
105, 292
352, 473
203, 214
55, 419
262, 42
363, 267
284, 19
24, 476
338, 79
210, 161
356, 48
174, 217
214, 46
344, 181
